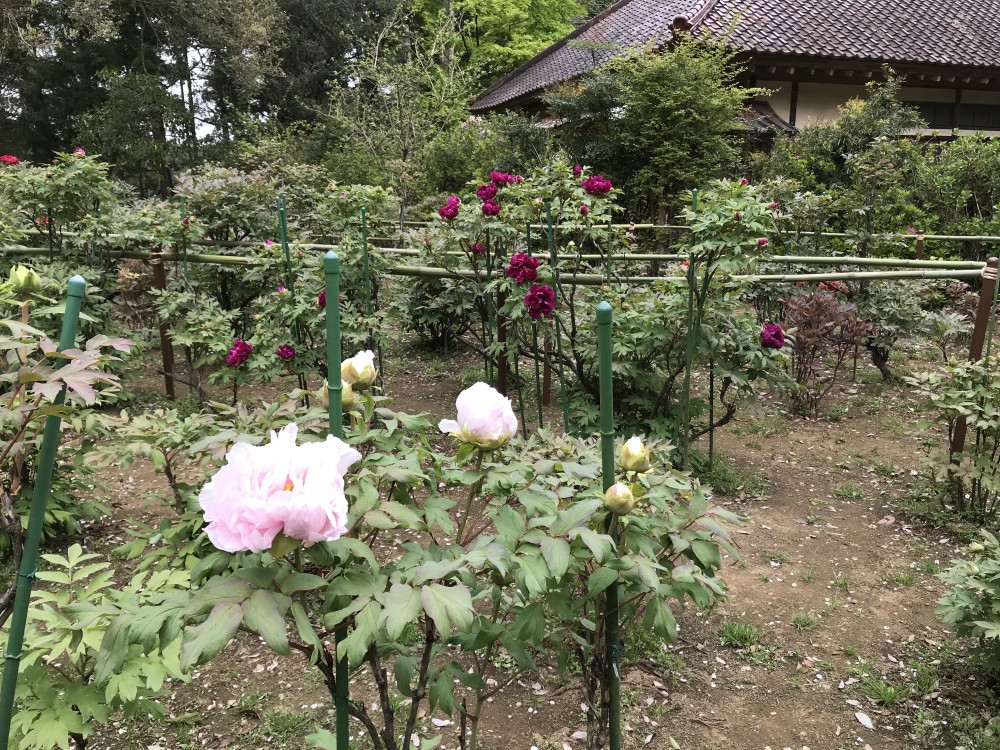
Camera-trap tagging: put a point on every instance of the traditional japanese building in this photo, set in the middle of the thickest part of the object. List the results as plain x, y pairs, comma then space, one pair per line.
814, 55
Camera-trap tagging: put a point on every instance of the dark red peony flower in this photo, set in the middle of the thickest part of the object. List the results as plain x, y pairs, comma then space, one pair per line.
239, 352
540, 301
596, 185
523, 268
286, 352
772, 336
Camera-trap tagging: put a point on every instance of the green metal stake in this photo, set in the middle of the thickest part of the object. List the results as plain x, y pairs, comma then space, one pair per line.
36, 516
607, 261
290, 280
611, 625
184, 235
364, 261
538, 377
554, 261
331, 273
488, 301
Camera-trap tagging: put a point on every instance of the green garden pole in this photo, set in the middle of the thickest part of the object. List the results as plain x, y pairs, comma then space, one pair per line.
184, 230
607, 260
331, 273
538, 377
364, 261
611, 626
36, 517
554, 261
290, 280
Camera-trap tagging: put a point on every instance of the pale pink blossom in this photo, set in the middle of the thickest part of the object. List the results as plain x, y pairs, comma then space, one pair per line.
485, 418
278, 488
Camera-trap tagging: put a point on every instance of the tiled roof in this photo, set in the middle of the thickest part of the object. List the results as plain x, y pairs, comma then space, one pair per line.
963, 33
942, 32
624, 26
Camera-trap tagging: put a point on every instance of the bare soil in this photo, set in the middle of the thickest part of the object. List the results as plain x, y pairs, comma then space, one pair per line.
825, 541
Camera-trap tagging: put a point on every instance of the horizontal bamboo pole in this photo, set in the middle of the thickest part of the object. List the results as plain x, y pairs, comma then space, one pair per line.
592, 279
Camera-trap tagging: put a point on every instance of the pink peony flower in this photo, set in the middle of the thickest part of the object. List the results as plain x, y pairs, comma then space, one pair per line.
286, 352
11, 160
281, 290
278, 488
239, 352
772, 336
773, 206
763, 242
485, 418
79, 152
491, 208
596, 185
540, 301
523, 268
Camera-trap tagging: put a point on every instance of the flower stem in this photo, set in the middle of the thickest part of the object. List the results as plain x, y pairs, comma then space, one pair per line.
473, 491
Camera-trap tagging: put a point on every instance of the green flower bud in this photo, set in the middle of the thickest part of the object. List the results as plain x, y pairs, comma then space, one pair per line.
24, 280
972, 570
976, 547
619, 499
634, 456
347, 396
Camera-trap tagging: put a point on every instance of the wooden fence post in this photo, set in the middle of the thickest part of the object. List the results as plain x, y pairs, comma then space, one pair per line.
166, 347
983, 314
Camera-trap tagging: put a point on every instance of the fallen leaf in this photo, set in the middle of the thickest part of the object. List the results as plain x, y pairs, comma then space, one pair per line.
862, 717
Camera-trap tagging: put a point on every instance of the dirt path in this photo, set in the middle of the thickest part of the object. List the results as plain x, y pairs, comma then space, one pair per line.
839, 591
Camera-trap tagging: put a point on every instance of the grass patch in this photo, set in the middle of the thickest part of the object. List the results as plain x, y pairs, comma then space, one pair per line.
726, 479
770, 425
842, 582
740, 633
803, 621
886, 693
902, 578
645, 645
885, 468
849, 492
835, 413
778, 556
808, 577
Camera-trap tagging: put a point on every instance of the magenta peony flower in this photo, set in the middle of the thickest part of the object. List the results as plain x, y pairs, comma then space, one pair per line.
763, 242
523, 268
773, 206
772, 336
450, 209
268, 243
239, 352
737, 216
584, 209
79, 152
540, 301
485, 418
744, 182
281, 290
479, 249
11, 160
577, 170
321, 299
491, 208
502, 178
487, 192
186, 221
596, 185
278, 488
286, 352
518, 179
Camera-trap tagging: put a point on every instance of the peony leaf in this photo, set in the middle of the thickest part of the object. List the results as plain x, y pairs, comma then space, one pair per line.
261, 613
401, 606
204, 641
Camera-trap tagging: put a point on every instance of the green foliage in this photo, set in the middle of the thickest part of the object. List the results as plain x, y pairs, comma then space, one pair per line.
968, 481
524, 539
67, 686
659, 123
972, 602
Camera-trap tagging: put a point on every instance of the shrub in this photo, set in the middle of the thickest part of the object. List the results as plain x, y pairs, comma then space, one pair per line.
826, 331
972, 603
969, 481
